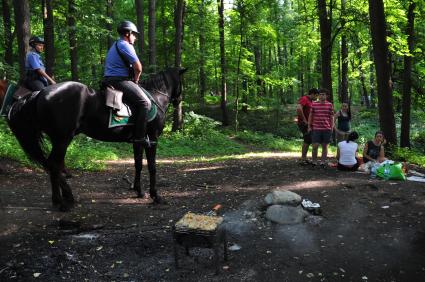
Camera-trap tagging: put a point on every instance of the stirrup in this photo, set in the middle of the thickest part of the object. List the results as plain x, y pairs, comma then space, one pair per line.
144, 141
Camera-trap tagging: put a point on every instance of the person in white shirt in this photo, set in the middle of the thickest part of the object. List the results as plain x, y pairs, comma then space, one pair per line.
347, 153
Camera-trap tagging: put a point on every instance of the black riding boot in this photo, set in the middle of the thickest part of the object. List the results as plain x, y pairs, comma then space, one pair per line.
139, 131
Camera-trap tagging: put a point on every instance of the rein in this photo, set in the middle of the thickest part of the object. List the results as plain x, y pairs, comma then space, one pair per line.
157, 104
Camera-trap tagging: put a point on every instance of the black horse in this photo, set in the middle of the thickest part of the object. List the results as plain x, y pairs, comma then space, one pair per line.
66, 109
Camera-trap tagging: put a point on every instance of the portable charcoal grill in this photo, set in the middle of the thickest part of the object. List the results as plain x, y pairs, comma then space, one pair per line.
188, 238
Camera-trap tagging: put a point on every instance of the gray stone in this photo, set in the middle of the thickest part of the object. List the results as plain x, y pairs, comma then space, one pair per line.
278, 197
286, 214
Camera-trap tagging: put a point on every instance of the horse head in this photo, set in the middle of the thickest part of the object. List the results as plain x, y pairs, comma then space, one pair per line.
167, 82
175, 76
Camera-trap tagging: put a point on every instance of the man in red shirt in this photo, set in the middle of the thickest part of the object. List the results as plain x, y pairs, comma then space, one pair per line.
303, 112
321, 124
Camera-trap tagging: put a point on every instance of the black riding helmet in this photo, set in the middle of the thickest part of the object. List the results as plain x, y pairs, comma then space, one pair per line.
127, 26
36, 40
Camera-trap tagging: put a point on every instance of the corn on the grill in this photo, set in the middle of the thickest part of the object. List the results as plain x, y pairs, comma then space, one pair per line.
199, 222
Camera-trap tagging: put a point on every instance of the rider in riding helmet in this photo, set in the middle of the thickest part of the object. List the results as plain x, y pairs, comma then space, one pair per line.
122, 71
36, 76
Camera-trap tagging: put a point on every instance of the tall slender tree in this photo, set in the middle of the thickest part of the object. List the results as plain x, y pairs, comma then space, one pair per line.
220, 6
325, 20
407, 78
178, 22
152, 35
8, 38
49, 34
110, 15
344, 58
378, 29
23, 31
72, 38
202, 49
140, 12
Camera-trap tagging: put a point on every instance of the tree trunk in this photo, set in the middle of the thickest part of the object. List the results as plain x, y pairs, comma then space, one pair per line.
223, 63
164, 27
110, 16
371, 83
72, 37
8, 38
22, 27
49, 35
380, 52
178, 21
344, 58
407, 79
202, 75
152, 35
141, 27
325, 46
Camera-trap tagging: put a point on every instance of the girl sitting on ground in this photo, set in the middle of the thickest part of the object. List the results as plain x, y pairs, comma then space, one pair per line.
374, 150
347, 153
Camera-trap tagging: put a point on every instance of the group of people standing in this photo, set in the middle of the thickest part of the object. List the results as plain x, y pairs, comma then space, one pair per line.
122, 72
317, 122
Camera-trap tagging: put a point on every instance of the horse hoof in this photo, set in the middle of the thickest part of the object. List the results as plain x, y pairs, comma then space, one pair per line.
159, 201
142, 195
65, 208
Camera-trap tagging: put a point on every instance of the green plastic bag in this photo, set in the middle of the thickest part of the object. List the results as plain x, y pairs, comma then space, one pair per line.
392, 171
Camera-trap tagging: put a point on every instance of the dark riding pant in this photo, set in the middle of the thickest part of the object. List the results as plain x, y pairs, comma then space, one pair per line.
138, 102
34, 85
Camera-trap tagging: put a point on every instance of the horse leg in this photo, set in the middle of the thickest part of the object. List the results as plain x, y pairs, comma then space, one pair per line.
151, 159
61, 191
138, 163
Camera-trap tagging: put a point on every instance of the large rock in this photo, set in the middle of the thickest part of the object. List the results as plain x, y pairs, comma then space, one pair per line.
278, 197
286, 214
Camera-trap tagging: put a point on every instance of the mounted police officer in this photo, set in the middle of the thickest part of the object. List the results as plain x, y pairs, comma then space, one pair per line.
36, 77
122, 71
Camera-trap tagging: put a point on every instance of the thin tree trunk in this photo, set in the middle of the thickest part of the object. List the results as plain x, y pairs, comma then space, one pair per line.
325, 46
202, 75
152, 35
141, 27
164, 27
378, 28
178, 21
23, 31
49, 35
372, 83
344, 58
110, 16
220, 5
407, 79
8, 38
72, 36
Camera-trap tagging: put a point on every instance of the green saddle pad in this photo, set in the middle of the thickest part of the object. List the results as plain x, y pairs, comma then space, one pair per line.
116, 120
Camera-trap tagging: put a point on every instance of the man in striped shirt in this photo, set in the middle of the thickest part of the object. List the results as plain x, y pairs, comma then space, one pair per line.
321, 123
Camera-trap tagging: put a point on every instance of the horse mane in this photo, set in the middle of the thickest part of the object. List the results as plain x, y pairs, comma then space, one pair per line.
155, 82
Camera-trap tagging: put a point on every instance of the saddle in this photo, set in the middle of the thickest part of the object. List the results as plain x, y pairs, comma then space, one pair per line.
119, 111
14, 93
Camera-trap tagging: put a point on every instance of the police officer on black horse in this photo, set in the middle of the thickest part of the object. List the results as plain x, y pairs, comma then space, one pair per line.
122, 71
36, 77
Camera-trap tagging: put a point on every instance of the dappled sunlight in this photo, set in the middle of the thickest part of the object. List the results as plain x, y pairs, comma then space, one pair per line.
250, 155
203, 168
310, 184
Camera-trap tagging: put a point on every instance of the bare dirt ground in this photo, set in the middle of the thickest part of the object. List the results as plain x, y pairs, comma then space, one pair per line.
370, 230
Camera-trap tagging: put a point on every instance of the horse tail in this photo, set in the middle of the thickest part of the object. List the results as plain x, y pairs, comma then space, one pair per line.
23, 123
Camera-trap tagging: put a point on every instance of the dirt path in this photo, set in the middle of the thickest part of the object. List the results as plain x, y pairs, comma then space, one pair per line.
371, 230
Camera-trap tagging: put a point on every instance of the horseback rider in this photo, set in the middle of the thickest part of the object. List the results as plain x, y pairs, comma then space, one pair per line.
122, 71
36, 77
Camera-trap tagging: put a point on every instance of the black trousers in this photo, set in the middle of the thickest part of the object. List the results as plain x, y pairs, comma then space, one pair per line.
138, 102
35, 85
